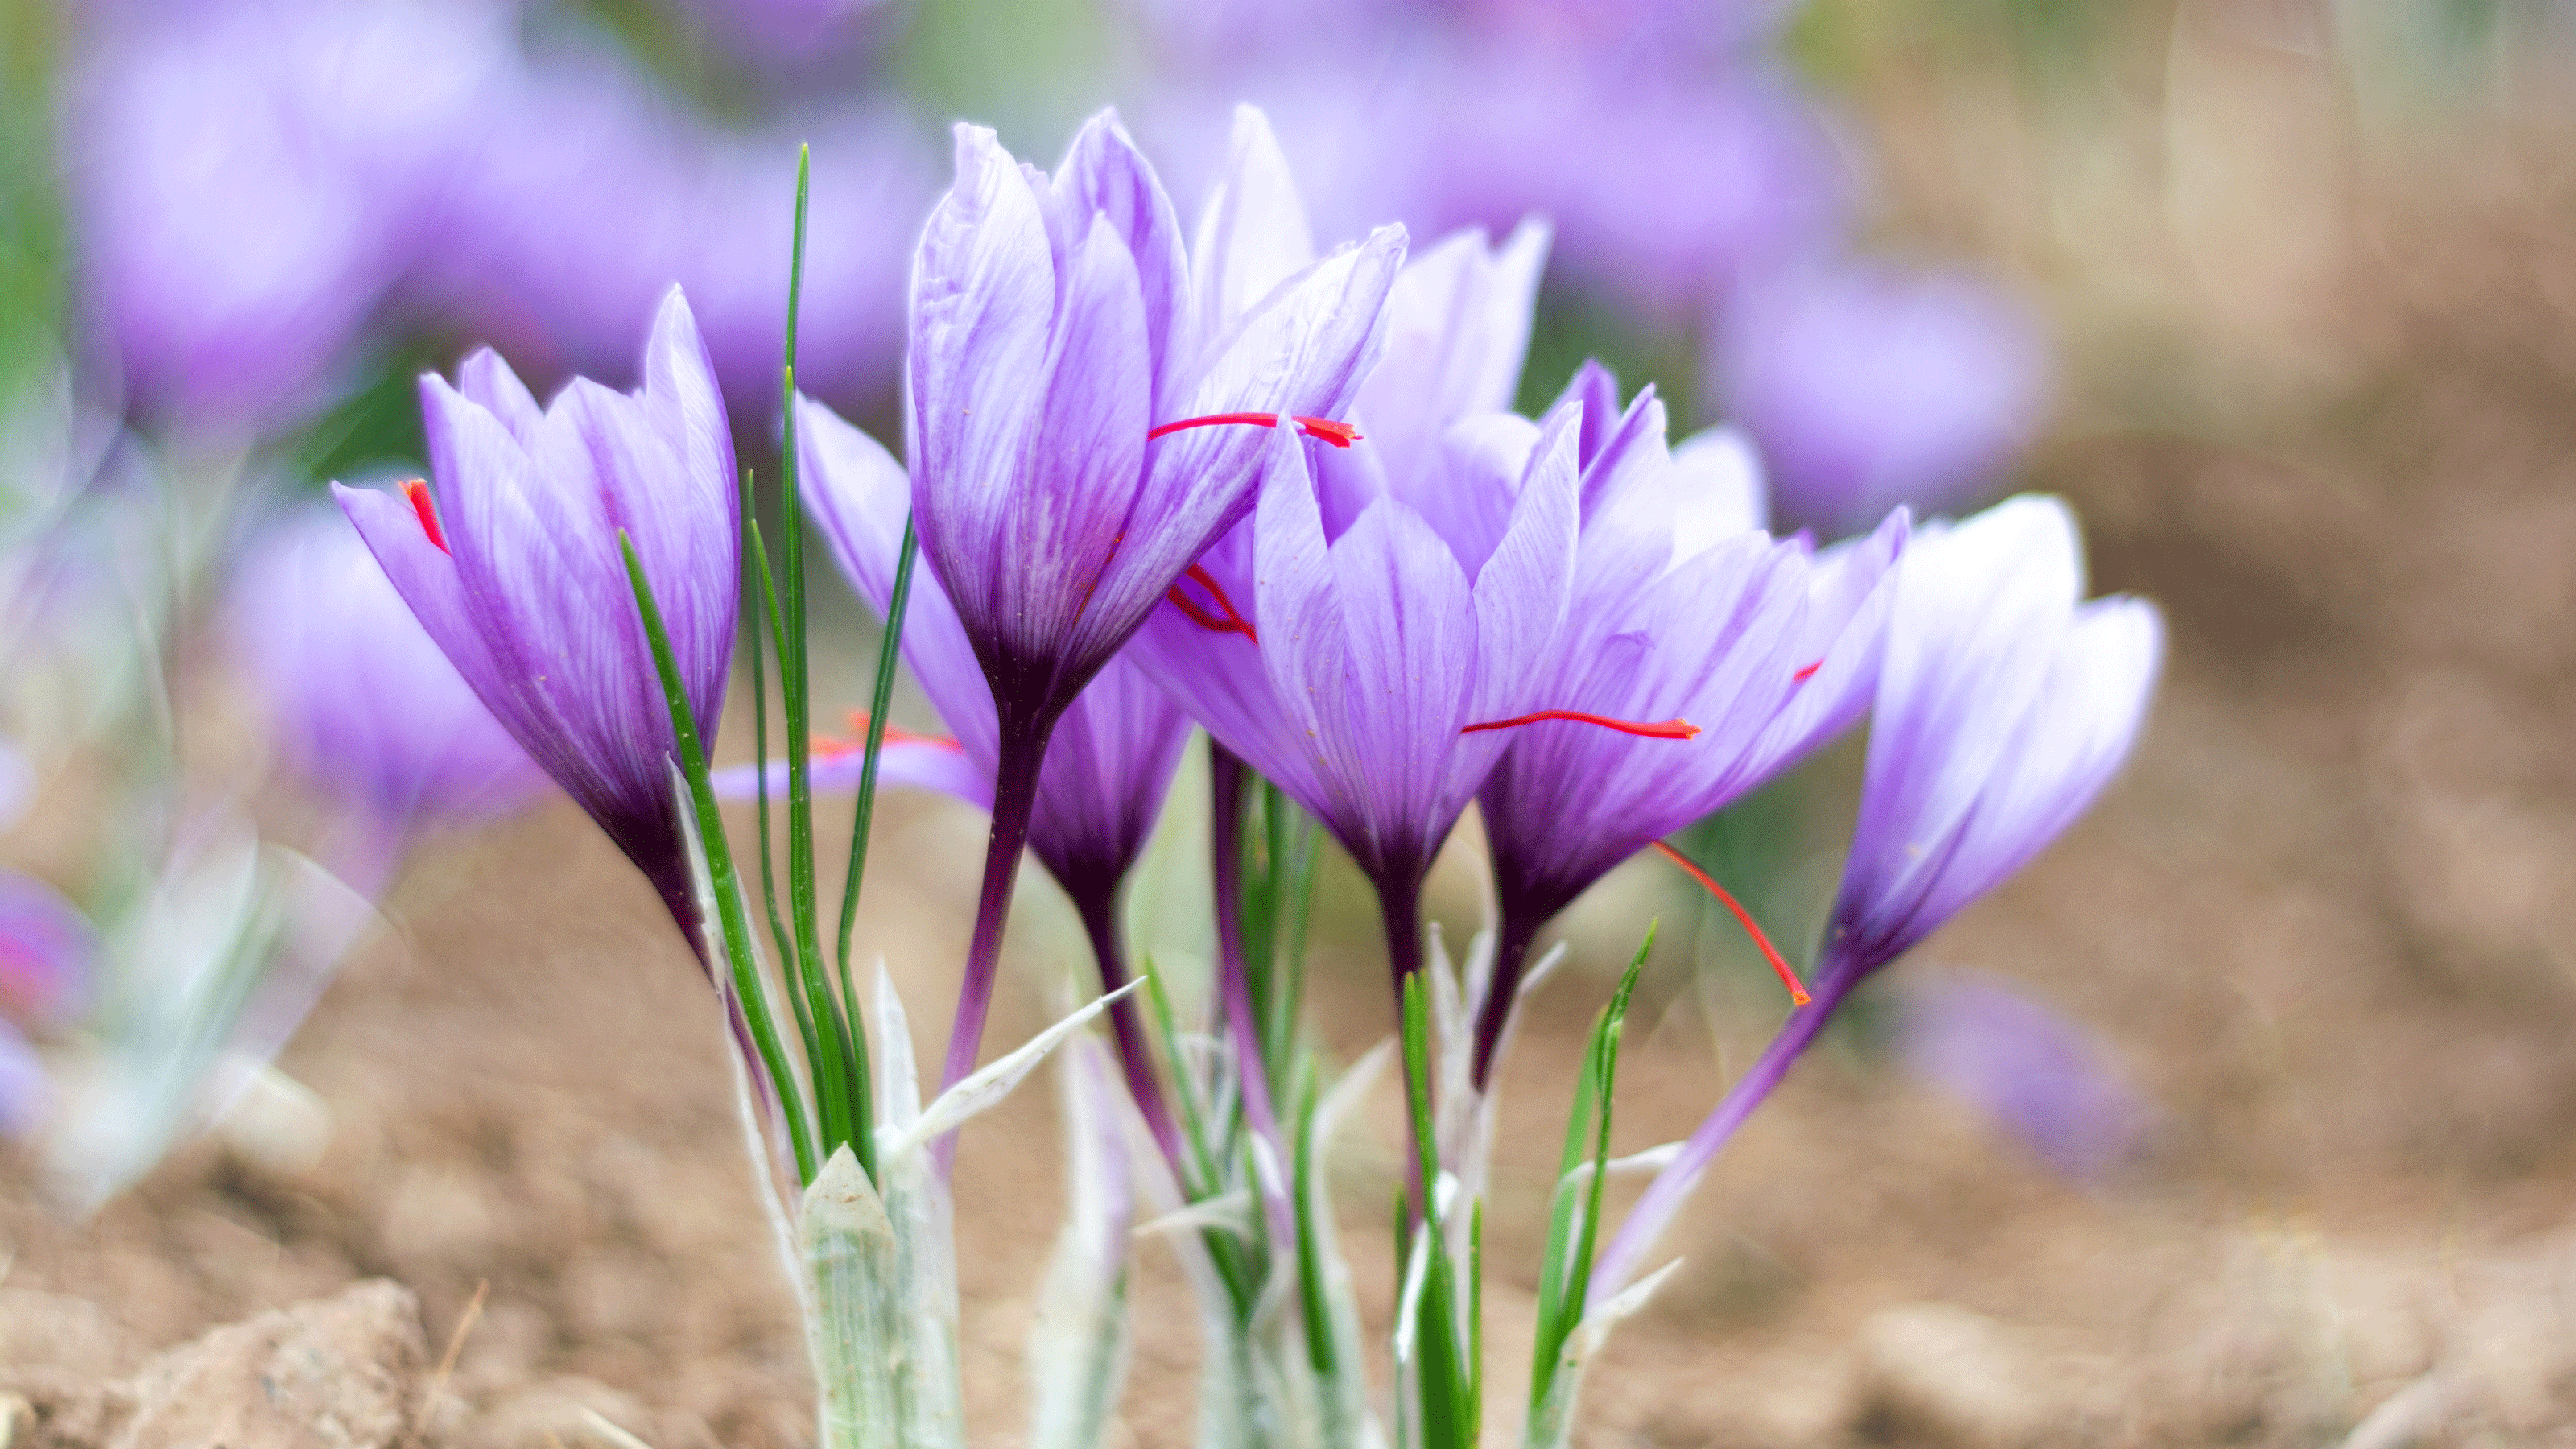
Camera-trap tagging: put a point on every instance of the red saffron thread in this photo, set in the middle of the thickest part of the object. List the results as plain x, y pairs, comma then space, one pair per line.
417, 490
1229, 622
1803, 675
1670, 729
1789, 978
1340, 435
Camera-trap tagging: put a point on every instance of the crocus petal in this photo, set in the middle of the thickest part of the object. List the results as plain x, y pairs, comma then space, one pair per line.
531, 598
859, 496
1301, 352
1107, 769
2003, 709
1458, 327
1390, 715
1720, 490
1851, 589
984, 294
1103, 175
2093, 704
1069, 524
1254, 234
1520, 593
1113, 752
366, 704
1980, 609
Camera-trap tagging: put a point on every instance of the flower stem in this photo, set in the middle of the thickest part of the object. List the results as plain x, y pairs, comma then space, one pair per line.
1226, 779
1519, 932
1015, 795
1399, 901
1099, 912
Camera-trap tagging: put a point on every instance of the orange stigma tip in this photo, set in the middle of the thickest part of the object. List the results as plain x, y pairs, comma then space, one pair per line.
1803, 675
828, 748
1779, 965
1669, 729
417, 490
1340, 435
1226, 621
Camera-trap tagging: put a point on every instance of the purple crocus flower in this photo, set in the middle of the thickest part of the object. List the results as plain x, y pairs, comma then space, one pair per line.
1366, 711
2035, 1073
1062, 371
2004, 705
521, 581
1868, 387
1768, 650
251, 177
366, 705
48, 953
1376, 667
1107, 767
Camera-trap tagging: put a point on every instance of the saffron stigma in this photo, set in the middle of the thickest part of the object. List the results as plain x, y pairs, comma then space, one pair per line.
417, 490
1340, 435
1229, 622
1803, 675
1669, 729
1797, 989
828, 747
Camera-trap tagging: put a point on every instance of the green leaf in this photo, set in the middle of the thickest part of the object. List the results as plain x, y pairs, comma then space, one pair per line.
839, 1061
728, 882
863, 811
1566, 1274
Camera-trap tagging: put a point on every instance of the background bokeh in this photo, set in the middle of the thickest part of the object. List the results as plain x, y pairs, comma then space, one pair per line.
2250, 1110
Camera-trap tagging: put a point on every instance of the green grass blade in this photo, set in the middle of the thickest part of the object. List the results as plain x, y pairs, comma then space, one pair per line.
1570, 1262
728, 883
840, 1065
864, 809
764, 608
1311, 1291
1440, 1376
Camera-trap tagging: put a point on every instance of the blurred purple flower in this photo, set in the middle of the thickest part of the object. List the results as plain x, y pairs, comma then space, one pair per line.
1767, 651
1060, 370
2005, 703
1868, 387
1671, 161
1664, 187
48, 953
250, 177
781, 30
257, 181
586, 199
2037, 1074
521, 581
366, 705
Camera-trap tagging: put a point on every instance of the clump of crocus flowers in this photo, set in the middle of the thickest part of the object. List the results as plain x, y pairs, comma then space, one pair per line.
1242, 483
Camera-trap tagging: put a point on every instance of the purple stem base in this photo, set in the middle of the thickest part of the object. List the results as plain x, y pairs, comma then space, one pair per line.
1014, 798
